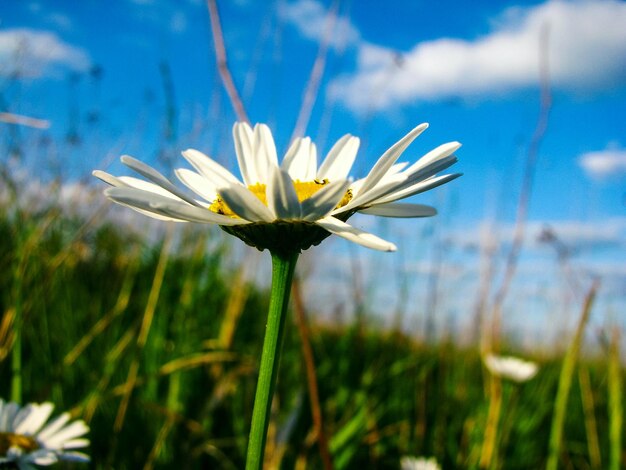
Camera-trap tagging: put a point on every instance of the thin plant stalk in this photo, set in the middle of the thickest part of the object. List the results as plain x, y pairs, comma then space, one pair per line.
283, 267
591, 427
309, 361
222, 62
16, 354
615, 404
16, 359
523, 203
565, 383
493, 418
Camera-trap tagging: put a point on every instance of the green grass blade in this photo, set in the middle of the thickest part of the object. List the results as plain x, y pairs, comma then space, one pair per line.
615, 403
565, 382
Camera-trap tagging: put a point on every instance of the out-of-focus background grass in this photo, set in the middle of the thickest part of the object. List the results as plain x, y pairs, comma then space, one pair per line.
86, 291
152, 333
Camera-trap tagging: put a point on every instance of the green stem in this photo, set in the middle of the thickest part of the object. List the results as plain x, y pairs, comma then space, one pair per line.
16, 353
615, 404
565, 382
16, 359
283, 266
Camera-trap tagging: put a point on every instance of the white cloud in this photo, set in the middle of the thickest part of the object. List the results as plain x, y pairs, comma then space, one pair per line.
30, 53
310, 18
575, 235
604, 163
586, 50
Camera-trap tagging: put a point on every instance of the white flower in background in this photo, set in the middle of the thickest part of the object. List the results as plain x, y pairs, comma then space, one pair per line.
292, 205
26, 439
511, 368
418, 463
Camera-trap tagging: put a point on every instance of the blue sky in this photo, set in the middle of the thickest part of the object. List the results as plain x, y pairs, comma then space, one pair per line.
100, 72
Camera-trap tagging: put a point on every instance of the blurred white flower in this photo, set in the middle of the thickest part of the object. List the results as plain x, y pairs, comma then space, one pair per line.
24, 440
419, 463
291, 205
511, 368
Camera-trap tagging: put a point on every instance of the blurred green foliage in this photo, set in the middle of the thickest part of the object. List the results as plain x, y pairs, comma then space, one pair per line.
83, 290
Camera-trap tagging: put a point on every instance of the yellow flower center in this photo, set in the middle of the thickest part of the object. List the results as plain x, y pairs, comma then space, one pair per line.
8, 440
304, 190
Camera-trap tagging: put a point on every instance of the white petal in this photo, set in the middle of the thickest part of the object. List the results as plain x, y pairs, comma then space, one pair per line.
9, 411
403, 210
54, 426
74, 430
324, 201
264, 151
36, 419
243, 138
281, 196
187, 213
197, 183
75, 457
366, 198
107, 178
210, 169
152, 214
138, 204
165, 207
22, 415
245, 204
390, 176
386, 161
390, 186
355, 235
131, 182
417, 188
301, 160
76, 443
155, 177
311, 166
43, 457
440, 152
340, 158
397, 168
429, 170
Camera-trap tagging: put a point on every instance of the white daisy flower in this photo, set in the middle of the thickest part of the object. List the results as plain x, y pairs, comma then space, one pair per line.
511, 368
418, 463
24, 440
291, 205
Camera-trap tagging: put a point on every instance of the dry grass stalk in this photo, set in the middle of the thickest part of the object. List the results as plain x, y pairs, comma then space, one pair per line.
20, 120
222, 62
309, 362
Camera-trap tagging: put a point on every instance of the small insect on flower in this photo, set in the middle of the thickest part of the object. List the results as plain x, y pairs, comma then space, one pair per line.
289, 206
511, 368
26, 439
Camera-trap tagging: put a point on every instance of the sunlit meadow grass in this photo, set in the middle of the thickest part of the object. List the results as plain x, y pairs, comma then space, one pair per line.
89, 294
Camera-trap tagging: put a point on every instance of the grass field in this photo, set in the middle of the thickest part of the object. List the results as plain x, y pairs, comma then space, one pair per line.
156, 347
